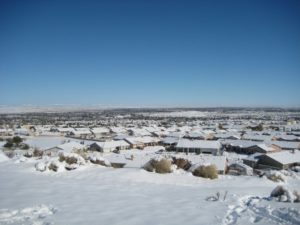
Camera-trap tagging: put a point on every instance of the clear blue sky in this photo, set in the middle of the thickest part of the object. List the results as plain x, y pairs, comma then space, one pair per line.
150, 53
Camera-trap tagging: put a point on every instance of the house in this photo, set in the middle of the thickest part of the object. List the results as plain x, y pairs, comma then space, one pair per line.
279, 160
283, 137
21, 132
66, 147
81, 133
6, 132
198, 135
230, 136
256, 137
100, 131
262, 148
249, 147
170, 141
286, 145
252, 160
198, 146
109, 146
141, 142
63, 130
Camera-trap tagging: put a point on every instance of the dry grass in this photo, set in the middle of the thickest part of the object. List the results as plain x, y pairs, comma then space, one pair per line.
275, 178
182, 163
71, 160
83, 153
206, 172
38, 153
53, 167
159, 166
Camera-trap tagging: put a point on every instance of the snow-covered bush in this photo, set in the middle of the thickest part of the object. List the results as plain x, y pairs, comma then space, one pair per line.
71, 158
83, 153
3, 157
296, 169
38, 153
71, 166
56, 166
297, 196
275, 176
53, 166
41, 166
283, 194
159, 165
97, 159
209, 171
28, 154
182, 163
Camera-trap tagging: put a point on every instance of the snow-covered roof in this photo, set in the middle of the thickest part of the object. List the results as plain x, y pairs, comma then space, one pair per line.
267, 148
186, 143
241, 143
65, 129
141, 140
100, 130
285, 157
257, 137
81, 131
71, 146
170, 140
111, 144
286, 144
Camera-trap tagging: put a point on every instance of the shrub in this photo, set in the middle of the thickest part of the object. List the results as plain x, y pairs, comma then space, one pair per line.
275, 176
182, 163
17, 140
71, 158
159, 166
53, 166
206, 172
283, 194
297, 196
38, 153
8, 145
118, 165
99, 161
24, 146
82, 153
28, 154
61, 157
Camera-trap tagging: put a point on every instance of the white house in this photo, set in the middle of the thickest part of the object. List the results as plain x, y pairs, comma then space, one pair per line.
198, 146
66, 148
109, 146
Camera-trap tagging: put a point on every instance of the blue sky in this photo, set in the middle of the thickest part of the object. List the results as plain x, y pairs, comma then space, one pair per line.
150, 53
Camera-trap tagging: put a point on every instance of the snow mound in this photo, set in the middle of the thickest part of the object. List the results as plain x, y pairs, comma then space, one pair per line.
26, 216
3, 157
72, 158
41, 166
96, 158
275, 176
56, 166
284, 194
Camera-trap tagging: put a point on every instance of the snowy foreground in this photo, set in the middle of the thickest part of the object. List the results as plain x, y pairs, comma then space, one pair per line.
94, 194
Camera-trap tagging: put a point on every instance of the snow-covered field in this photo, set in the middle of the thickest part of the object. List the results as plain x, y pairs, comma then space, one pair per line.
94, 194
